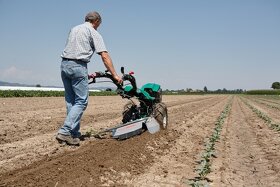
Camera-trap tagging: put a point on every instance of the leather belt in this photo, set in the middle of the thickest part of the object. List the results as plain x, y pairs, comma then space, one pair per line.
76, 60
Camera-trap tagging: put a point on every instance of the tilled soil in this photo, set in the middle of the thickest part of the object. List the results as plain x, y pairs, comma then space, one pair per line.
248, 152
267, 109
30, 155
269, 99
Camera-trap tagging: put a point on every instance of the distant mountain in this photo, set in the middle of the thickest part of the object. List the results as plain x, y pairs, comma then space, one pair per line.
13, 84
2, 83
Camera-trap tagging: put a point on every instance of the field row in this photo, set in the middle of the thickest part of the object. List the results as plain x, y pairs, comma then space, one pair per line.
215, 140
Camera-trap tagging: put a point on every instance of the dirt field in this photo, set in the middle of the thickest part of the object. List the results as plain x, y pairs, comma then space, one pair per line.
247, 153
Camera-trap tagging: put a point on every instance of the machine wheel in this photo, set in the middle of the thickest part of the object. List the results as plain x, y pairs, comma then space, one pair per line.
127, 113
160, 114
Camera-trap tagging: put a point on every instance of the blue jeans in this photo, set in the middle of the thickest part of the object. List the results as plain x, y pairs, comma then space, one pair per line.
74, 75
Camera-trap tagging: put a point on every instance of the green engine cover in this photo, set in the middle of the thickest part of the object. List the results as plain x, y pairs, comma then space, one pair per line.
149, 90
154, 87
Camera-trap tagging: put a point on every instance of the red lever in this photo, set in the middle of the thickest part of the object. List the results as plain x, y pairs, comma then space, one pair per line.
131, 73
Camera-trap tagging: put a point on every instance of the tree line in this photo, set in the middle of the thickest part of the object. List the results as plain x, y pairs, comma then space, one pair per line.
275, 86
203, 91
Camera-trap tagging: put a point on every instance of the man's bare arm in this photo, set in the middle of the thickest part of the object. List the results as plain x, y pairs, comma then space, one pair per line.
109, 65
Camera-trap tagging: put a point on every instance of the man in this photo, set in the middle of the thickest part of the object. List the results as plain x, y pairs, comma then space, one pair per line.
83, 41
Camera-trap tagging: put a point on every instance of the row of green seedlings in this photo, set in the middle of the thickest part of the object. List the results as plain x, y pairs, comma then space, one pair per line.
270, 100
272, 124
204, 167
267, 104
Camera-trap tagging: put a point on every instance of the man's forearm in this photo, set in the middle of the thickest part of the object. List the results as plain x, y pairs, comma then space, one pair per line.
108, 63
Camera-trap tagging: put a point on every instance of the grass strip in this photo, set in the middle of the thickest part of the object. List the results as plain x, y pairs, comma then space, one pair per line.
33, 93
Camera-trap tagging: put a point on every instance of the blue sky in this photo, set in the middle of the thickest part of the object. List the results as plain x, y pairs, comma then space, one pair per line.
232, 44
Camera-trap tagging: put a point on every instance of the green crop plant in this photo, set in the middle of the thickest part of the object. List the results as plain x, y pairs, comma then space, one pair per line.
198, 184
204, 167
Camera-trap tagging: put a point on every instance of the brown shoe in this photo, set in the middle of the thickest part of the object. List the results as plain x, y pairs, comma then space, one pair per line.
68, 139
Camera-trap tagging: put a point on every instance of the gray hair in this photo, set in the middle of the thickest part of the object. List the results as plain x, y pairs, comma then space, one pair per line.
93, 16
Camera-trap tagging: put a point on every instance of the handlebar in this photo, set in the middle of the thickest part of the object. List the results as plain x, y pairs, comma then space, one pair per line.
105, 74
131, 79
126, 77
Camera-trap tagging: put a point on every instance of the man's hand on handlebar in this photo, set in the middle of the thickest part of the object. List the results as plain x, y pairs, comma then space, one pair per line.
118, 79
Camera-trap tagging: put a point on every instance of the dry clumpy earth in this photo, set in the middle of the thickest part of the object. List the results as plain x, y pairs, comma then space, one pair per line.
247, 153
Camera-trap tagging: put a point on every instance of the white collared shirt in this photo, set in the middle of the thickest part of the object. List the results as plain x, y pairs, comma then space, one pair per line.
82, 42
